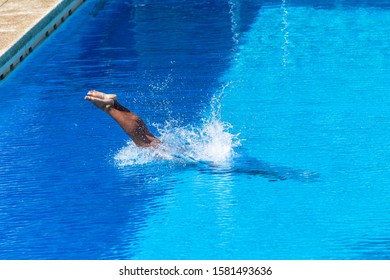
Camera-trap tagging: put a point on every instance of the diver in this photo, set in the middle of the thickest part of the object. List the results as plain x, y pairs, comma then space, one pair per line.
132, 124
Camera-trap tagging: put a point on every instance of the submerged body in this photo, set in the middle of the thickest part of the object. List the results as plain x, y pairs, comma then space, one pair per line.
132, 124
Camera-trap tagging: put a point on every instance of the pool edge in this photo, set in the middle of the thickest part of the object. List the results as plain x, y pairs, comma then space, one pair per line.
36, 35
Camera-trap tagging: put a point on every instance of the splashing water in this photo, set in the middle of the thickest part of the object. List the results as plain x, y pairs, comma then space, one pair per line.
211, 142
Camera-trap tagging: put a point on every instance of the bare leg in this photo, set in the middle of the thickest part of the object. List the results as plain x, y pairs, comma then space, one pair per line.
130, 122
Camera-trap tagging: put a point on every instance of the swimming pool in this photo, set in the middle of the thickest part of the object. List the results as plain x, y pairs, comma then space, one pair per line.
281, 108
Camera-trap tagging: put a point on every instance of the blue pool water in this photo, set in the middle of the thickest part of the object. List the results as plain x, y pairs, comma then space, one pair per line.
274, 117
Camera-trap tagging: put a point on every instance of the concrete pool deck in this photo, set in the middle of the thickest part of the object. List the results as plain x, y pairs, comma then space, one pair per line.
24, 24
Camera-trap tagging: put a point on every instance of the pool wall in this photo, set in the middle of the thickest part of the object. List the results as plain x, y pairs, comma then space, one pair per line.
38, 32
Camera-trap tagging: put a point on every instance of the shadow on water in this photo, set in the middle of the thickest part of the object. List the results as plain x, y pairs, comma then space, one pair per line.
374, 248
250, 166
162, 162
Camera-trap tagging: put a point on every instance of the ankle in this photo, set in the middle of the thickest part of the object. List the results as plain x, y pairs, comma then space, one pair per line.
107, 108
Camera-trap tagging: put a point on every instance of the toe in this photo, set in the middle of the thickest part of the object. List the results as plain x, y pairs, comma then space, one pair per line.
110, 96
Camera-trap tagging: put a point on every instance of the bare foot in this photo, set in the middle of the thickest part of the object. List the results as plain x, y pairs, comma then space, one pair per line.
101, 95
101, 100
103, 104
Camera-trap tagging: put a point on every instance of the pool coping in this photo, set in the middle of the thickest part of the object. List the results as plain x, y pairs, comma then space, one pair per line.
36, 34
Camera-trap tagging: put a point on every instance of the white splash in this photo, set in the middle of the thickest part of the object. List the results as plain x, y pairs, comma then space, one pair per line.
210, 142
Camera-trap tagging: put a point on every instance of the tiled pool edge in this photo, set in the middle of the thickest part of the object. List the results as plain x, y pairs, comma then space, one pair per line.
36, 35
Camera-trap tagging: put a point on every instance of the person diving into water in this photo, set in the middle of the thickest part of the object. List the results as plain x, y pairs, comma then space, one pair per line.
132, 124
135, 127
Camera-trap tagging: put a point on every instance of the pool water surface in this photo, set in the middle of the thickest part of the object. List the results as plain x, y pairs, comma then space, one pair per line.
274, 117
